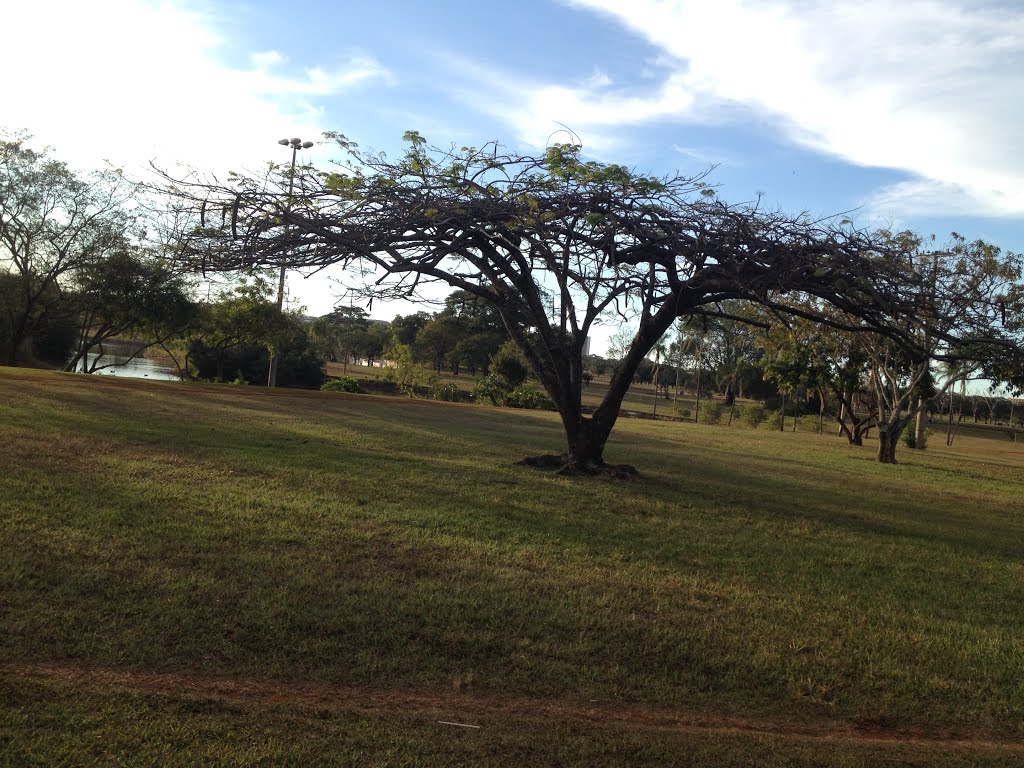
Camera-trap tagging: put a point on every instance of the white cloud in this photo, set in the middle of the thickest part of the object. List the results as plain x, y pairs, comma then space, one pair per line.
357, 70
929, 87
131, 80
544, 113
267, 59
925, 197
706, 157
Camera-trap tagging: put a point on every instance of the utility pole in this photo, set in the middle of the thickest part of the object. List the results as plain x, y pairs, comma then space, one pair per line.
296, 145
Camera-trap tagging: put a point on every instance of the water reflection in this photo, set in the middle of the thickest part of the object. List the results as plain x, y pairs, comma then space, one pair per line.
116, 357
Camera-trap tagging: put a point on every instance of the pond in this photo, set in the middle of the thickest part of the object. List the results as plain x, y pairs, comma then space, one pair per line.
117, 354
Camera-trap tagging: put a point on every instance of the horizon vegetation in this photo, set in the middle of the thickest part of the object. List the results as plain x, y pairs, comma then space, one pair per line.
537, 249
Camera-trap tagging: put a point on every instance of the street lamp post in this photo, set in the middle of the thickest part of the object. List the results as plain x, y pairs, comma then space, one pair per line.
296, 145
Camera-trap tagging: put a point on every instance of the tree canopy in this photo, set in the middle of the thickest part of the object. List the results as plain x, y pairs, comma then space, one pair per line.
53, 223
128, 294
557, 244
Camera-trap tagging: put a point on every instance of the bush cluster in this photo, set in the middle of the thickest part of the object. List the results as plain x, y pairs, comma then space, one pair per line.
710, 412
752, 415
342, 384
774, 420
448, 392
494, 390
528, 398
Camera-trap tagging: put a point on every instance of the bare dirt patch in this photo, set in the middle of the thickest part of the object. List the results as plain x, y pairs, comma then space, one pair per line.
462, 707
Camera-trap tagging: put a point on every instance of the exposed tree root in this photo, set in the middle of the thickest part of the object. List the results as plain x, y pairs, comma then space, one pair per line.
561, 463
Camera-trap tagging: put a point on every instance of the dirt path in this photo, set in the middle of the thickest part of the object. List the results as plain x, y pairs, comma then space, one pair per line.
460, 707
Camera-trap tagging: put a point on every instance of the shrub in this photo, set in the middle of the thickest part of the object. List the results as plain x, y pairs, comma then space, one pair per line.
380, 386
448, 392
410, 378
509, 365
529, 398
710, 412
343, 384
808, 423
775, 420
495, 390
489, 389
910, 438
752, 415
298, 365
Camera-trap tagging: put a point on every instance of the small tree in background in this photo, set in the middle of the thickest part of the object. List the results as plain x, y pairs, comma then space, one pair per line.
508, 372
339, 333
128, 294
230, 342
403, 370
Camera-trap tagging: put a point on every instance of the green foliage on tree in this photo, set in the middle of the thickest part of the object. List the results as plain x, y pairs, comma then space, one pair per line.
479, 331
129, 294
437, 339
232, 338
405, 327
53, 223
54, 327
340, 334
403, 370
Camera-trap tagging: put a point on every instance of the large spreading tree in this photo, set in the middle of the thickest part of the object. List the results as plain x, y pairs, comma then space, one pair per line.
555, 244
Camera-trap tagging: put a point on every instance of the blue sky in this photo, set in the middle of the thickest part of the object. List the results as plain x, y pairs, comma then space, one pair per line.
908, 113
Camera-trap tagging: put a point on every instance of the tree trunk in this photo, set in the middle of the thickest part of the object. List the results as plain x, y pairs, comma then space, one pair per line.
887, 440
560, 371
920, 426
585, 442
889, 437
19, 333
78, 357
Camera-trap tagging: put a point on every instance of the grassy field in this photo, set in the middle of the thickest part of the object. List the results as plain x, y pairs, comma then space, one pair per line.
224, 575
640, 400
640, 397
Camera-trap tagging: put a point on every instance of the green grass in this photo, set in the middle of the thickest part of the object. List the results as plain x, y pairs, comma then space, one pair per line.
756, 597
639, 399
